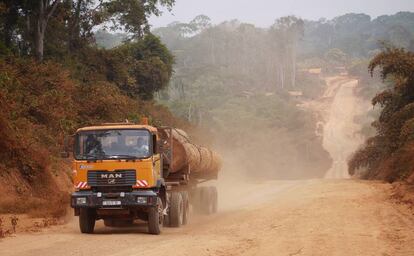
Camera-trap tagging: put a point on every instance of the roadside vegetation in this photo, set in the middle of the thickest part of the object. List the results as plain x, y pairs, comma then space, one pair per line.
54, 79
389, 154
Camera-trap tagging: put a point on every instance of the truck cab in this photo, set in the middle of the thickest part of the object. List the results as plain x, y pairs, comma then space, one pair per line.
117, 175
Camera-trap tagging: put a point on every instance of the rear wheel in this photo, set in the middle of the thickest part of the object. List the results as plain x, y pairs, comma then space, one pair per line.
156, 218
87, 220
176, 209
186, 208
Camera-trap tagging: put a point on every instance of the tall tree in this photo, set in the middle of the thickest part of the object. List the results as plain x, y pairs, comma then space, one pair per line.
39, 16
288, 31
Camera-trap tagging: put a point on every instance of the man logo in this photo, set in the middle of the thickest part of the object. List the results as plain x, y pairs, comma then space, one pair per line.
111, 181
111, 176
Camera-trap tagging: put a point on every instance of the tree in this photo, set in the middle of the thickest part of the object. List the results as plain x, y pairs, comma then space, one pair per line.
288, 31
395, 125
73, 21
148, 65
38, 16
132, 15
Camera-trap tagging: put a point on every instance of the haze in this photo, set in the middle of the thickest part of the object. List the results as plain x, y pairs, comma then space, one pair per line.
264, 12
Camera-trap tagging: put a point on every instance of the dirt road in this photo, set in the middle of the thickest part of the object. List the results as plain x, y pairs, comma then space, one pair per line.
336, 109
314, 217
344, 217
340, 136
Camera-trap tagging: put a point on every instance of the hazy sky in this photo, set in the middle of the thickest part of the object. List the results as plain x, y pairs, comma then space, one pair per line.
264, 12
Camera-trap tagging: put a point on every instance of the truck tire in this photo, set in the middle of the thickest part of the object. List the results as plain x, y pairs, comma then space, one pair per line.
213, 199
186, 208
176, 209
156, 218
87, 220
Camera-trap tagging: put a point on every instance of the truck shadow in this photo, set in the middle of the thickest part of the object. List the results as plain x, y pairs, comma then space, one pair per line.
136, 228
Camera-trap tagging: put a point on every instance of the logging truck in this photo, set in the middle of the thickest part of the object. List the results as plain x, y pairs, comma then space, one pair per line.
125, 172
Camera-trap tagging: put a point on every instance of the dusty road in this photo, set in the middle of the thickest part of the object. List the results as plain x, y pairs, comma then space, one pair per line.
314, 217
336, 109
343, 217
340, 136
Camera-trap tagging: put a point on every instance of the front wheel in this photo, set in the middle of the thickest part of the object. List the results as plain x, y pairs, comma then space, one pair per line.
87, 219
156, 218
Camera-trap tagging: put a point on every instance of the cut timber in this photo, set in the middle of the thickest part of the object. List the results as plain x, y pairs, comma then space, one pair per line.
187, 155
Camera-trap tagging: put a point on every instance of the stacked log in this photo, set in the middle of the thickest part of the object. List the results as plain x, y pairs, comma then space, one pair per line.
186, 154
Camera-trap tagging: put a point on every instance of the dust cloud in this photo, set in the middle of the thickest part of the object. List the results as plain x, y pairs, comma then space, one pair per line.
269, 161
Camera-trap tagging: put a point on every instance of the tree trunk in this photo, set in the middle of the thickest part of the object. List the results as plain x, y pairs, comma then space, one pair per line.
44, 13
74, 30
294, 64
39, 42
39, 33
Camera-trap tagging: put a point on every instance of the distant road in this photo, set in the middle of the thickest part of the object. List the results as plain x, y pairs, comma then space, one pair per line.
341, 134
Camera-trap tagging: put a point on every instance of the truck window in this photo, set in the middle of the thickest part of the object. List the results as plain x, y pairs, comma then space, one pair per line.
113, 144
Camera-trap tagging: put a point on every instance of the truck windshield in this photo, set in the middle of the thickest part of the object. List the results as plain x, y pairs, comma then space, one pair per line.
112, 144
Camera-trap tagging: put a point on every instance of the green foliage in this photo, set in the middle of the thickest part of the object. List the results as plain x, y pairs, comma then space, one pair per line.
395, 124
141, 68
67, 26
357, 34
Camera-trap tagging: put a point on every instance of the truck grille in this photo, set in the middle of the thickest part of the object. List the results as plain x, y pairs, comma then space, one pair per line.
112, 179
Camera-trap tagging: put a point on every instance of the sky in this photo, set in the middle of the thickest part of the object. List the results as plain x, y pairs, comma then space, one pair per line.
264, 12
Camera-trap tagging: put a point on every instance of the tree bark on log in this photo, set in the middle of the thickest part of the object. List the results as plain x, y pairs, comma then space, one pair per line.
186, 154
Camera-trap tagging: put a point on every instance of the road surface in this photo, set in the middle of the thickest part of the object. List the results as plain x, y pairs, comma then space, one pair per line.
341, 134
317, 217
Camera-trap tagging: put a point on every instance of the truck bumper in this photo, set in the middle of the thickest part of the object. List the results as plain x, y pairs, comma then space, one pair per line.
119, 200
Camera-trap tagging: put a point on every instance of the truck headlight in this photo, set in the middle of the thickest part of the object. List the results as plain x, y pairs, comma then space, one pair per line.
81, 200
142, 200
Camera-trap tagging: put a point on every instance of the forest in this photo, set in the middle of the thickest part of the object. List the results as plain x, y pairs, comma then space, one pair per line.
69, 63
55, 79
237, 77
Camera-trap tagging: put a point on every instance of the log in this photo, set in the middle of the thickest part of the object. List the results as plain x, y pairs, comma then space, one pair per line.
186, 154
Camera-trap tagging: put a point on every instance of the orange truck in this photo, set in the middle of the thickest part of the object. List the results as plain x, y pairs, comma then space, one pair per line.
125, 172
